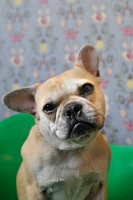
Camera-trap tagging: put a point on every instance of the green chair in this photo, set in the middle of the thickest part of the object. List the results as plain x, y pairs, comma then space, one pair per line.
13, 132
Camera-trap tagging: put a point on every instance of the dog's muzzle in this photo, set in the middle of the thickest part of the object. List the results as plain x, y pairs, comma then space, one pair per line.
78, 123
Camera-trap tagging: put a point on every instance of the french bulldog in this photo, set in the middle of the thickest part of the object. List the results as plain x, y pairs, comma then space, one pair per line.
65, 157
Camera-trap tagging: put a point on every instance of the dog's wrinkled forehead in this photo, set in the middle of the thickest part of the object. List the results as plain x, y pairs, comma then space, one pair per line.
56, 90
67, 87
61, 86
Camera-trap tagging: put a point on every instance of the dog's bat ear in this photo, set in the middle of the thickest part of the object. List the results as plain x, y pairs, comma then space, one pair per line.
22, 100
88, 59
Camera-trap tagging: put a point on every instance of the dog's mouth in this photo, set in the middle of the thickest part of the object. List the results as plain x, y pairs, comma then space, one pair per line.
82, 130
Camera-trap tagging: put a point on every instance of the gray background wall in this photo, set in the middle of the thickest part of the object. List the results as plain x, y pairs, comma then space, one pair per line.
40, 39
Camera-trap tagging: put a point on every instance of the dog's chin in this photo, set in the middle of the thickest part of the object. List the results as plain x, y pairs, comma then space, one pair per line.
78, 141
83, 133
79, 136
82, 130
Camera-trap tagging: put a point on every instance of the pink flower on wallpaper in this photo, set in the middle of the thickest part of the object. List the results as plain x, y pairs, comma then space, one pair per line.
104, 84
17, 60
99, 17
129, 126
7, 113
70, 34
35, 74
128, 55
44, 21
43, 1
16, 37
127, 31
71, 58
123, 113
119, 20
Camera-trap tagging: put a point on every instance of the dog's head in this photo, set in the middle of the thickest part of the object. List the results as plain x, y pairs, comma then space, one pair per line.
70, 108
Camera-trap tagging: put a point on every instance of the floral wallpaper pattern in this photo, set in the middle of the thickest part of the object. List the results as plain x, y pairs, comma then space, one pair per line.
40, 39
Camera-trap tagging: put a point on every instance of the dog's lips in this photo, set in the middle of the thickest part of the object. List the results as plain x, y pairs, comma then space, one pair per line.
82, 129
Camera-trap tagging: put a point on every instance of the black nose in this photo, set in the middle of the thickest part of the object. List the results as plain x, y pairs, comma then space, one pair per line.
73, 110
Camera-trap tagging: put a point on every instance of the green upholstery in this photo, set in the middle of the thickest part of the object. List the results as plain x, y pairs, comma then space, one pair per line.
13, 132
120, 184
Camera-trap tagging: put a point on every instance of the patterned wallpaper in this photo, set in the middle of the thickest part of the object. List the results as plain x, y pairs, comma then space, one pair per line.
40, 39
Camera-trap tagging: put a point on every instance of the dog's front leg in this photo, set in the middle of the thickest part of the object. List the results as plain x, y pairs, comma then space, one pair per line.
33, 193
100, 195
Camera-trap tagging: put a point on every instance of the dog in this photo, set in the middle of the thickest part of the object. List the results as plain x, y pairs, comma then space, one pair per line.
65, 157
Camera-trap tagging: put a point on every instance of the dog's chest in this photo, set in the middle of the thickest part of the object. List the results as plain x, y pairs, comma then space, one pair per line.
67, 182
73, 188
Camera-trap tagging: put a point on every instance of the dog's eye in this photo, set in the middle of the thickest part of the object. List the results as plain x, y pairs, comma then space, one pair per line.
86, 89
49, 108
